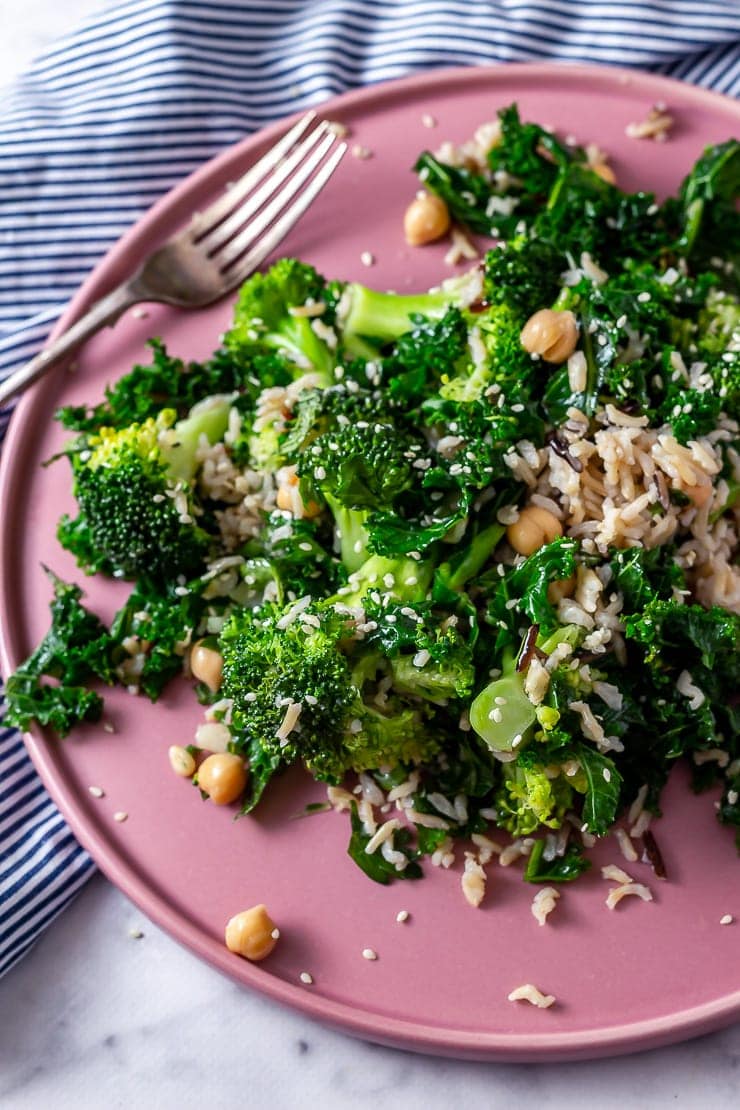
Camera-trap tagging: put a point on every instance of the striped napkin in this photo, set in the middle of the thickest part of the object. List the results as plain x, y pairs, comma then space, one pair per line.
113, 116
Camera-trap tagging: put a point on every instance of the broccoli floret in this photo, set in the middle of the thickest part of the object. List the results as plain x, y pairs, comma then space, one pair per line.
299, 697
136, 504
263, 321
523, 273
358, 467
440, 668
499, 359
365, 465
529, 797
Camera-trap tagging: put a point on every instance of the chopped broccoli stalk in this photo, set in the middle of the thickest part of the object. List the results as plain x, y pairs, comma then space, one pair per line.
504, 698
385, 317
351, 533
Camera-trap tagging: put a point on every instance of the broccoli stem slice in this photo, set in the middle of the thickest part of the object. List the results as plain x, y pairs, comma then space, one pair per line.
505, 699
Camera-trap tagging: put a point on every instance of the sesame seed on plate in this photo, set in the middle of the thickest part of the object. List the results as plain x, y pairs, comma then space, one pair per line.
135, 933
402, 915
306, 977
727, 919
367, 258
120, 816
369, 954
96, 791
275, 934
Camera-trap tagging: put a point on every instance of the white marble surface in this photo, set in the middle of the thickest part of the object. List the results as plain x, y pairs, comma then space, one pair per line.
96, 1018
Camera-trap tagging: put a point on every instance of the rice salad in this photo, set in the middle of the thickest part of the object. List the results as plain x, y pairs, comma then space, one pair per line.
469, 556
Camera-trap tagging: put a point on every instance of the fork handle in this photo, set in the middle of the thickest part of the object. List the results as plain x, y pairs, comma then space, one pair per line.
105, 311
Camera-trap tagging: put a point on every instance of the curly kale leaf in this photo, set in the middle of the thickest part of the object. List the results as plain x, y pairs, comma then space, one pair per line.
76, 648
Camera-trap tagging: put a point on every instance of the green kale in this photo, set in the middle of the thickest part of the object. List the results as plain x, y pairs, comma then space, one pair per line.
76, 648
374, 864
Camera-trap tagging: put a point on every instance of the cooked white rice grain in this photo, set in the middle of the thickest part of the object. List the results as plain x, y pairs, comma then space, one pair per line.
543, 903
616, 895
626, 846
528, 992
473, 880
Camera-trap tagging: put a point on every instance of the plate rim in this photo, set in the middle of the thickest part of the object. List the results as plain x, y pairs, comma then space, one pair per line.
611, 1040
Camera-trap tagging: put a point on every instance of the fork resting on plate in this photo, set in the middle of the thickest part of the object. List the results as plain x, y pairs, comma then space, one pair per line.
219, 248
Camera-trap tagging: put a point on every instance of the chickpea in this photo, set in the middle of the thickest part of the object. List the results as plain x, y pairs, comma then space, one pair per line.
289, 496
251, 933
206, 664
605, 172
533, 529
222, 777
426, 219
181, 761
562, 587
551, 334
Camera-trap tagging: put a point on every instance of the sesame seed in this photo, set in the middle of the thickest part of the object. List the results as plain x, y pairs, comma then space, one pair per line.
517, 740
389, 581
369, 954
496, 715
275, 934
500, 701
643, 297
607, 774
412, 580
135, 933
367, 258
319, 473
727, 919
306, 977
361, 152
428, 120
96, 791
402, 915
120, 816
355, 725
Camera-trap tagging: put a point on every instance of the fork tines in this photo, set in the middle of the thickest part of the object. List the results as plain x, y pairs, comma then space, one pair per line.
252, 217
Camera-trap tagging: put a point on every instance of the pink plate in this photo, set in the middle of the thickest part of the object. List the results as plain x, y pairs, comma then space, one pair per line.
643, 975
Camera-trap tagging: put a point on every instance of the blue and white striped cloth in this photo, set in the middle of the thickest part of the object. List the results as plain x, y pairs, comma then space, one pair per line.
106, 121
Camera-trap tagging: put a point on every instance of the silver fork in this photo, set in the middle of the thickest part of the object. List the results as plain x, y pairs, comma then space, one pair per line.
219, 248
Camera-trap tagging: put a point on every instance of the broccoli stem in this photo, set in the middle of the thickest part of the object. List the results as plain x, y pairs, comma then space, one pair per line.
504, 699
475, 557
386, 316
209, 418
